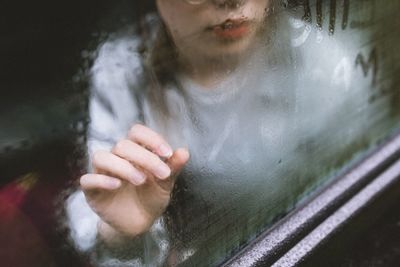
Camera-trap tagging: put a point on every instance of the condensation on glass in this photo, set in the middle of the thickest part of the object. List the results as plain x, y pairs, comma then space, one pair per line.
271, 99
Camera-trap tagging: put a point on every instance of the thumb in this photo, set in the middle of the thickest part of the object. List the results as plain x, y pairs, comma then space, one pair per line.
176, 163
178, 160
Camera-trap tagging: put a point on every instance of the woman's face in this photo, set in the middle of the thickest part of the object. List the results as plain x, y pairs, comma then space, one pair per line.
215, 28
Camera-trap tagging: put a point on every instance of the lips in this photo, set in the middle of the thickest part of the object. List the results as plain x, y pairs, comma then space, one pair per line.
231, 29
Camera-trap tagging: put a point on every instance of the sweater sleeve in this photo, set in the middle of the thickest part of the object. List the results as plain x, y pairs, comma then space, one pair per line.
114, 107
115, 103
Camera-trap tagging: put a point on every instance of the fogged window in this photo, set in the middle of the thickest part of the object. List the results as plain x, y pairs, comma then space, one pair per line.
203, 123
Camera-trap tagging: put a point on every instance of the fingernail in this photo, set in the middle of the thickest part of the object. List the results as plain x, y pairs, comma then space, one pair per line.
138, 177
162, 171
165, 151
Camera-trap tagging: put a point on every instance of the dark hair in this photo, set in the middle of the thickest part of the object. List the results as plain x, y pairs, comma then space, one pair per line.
159, 54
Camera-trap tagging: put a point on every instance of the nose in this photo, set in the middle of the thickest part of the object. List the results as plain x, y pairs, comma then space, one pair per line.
228, 4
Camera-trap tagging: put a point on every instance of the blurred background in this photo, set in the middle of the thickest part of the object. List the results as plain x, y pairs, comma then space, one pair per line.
43, 118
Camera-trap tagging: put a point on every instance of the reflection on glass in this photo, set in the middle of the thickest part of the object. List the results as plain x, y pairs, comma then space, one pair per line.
215, 118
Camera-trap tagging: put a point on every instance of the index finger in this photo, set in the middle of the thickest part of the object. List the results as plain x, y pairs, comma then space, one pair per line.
151, 140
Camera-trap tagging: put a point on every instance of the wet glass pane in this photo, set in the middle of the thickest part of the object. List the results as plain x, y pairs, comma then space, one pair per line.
174, 132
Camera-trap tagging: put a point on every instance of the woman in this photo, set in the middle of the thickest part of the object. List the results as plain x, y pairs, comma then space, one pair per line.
211, 38
216, 86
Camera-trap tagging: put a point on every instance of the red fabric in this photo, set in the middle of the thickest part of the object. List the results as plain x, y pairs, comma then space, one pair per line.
22, 244
29, 236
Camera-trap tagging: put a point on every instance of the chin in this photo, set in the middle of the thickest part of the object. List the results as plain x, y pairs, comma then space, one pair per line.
231, 48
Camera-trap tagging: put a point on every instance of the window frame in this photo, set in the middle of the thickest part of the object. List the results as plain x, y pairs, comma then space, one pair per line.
299, 235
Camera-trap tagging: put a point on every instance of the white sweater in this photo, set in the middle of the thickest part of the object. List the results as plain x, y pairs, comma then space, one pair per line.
259, 141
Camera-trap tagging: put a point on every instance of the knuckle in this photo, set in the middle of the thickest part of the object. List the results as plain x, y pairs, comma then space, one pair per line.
152, 159
122, 169
135, 129
84, 179
158, 141
120, 146
102, 183
97, 157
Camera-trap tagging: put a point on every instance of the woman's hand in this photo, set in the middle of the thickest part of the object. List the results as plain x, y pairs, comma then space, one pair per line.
132, 185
